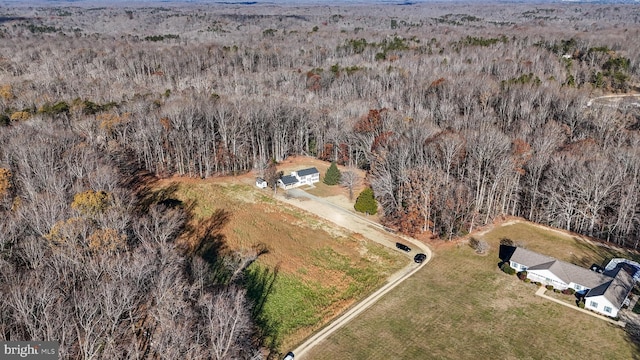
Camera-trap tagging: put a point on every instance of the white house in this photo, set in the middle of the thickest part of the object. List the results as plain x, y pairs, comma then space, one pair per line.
261, 183
288, 182
549, 271
307, 176
603, 293
301, 177
609, 297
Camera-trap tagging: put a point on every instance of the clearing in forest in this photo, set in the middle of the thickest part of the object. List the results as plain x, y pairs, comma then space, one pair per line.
311, 270
462, 306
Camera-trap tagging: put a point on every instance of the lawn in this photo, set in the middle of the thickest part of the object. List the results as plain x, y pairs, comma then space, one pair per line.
311, 271
461, 306
320, 188
558, 244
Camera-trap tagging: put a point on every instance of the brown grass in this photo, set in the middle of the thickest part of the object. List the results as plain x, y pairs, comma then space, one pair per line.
461, 306
304, 249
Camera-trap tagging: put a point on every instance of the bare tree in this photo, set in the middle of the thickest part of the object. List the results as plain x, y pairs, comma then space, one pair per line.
227, 322
272, 175
350, 180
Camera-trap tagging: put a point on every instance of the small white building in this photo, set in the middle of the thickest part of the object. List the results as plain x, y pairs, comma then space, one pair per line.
261, 183
307, 176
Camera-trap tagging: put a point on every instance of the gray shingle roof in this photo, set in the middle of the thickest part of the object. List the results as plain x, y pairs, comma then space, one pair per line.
569, 273
529, 258
616, 290
289, 180
309, 171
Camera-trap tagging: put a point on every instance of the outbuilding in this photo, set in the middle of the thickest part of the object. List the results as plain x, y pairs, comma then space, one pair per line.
261, 183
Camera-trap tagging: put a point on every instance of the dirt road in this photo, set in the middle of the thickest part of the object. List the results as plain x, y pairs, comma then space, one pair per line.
353, 222
616, 100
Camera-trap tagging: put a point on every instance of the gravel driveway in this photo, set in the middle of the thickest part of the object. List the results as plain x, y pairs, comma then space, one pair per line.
373, 231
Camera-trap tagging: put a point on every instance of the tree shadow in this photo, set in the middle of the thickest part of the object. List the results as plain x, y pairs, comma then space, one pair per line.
505, 252
163, 196
4, 19
602, 250
633, 337
260, 282
206, 240
133, 174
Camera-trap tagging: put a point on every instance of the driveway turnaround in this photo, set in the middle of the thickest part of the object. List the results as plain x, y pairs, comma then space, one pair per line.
367, 228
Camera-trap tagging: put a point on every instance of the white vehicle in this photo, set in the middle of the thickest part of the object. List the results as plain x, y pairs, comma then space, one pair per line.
289, 356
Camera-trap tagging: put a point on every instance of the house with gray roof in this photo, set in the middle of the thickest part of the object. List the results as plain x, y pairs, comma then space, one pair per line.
298, 178
609, 297
603, 293
288, 182
307, 176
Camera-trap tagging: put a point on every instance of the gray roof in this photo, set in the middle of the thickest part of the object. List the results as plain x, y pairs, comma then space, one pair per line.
289, 180
309, 171
569, 273
529, 258
615, 290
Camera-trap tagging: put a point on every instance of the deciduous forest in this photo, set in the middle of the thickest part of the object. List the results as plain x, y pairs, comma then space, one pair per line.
459, 113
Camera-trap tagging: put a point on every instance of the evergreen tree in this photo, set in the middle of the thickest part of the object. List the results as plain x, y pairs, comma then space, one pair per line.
332, 177
366, 202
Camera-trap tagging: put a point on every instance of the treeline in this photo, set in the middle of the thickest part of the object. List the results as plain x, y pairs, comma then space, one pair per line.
456, 125
456, 128
89, 257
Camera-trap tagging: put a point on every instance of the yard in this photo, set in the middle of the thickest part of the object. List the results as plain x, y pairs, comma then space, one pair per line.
312, 270
461, 306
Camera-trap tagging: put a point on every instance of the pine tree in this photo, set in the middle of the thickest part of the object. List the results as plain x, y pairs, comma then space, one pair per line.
332, 177
366, 202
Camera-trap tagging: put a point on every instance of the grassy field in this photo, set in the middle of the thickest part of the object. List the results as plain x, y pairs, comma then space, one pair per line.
461, 306
558, 244
311, 271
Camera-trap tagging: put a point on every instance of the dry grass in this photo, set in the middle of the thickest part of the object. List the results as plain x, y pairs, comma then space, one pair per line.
461, 306
321, 269
321, 189
557, 243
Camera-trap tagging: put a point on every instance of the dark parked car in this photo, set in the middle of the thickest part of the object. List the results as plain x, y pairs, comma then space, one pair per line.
419, 258
289, 356
403, 247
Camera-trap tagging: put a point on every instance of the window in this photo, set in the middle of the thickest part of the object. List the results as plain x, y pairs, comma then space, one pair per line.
593, 304
607, 309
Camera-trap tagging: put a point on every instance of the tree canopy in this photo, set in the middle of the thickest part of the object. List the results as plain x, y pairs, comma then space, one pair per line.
332, 177
366, 202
